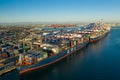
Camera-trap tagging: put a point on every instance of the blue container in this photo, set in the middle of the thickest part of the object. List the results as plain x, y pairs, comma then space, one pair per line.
38, 56
21, 50
11, 54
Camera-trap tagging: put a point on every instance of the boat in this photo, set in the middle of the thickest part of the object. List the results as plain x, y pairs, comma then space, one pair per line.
55, 52
98, 31
94, 37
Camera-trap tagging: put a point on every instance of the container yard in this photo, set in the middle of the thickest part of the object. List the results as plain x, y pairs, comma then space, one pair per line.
28, 49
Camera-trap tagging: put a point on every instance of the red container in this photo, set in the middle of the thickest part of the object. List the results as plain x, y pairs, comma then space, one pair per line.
0, 49
4, 55
0, 56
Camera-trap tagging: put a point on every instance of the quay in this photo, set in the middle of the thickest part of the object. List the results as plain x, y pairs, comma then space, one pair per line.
28, 49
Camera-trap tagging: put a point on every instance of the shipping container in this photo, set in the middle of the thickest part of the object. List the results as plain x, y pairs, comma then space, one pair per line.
11, 54
68, 51
16, 51
39, 57
3, 49
21, 50
71, 49
0, 55
26, 57
75, 42
72, 43
0, 49
44, 54
74, 48
4, 55
68, 43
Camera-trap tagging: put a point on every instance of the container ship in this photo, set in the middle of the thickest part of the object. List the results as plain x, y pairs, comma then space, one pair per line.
51, 51
96, 31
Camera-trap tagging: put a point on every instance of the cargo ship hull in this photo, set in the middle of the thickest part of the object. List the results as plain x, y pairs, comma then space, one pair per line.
92, 40
52, 59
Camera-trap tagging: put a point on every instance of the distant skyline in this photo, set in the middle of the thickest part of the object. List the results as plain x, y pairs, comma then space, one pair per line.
59, 11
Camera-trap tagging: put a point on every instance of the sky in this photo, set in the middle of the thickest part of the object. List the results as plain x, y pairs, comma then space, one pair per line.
59, 10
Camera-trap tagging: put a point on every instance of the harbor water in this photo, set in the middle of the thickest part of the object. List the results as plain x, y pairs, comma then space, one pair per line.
97, 61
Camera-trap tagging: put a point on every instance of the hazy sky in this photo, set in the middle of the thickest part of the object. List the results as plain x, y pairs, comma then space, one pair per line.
59, 10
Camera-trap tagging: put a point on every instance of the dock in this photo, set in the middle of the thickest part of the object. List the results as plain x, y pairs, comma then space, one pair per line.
6, 70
